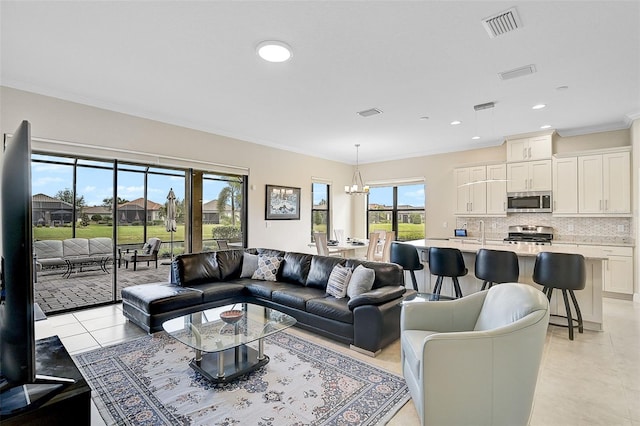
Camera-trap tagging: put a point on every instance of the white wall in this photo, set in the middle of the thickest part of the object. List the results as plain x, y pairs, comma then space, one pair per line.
60, 120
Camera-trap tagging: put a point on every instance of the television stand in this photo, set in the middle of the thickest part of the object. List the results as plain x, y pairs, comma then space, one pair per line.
66, 394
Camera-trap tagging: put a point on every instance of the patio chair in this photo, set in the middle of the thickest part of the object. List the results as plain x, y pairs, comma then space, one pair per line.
148, 253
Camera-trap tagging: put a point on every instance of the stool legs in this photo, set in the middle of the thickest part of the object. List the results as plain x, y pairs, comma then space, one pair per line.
456, 286
549, 290
413, 279
487, 285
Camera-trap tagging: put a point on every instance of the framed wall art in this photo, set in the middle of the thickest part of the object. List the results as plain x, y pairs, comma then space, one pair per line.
282, 203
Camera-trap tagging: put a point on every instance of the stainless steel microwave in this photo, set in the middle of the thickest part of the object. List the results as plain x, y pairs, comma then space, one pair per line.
529, 202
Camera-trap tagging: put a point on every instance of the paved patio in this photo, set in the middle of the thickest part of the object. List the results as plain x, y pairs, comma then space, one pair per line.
54, 293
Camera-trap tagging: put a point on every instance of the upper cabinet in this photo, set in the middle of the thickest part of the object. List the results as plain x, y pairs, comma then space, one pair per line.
497, 189
604, 183
471, 190
529, 176
529, 149
565, 182
595, 183
481, 190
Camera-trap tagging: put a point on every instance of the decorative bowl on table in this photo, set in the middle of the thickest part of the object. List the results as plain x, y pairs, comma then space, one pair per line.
232, 316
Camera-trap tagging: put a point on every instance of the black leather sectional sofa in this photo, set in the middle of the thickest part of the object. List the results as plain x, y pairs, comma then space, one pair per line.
368, 322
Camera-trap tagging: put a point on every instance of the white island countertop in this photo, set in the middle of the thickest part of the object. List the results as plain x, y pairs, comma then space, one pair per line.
590, 298
470, 245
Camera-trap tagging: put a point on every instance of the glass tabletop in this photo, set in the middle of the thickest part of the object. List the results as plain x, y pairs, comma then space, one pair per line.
422, 297
208, 332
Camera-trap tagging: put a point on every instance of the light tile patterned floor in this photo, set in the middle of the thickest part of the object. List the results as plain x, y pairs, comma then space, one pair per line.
593, 380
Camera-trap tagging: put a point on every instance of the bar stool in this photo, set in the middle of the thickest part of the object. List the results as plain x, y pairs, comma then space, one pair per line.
496, 266
406, 256
447, 262
566, 272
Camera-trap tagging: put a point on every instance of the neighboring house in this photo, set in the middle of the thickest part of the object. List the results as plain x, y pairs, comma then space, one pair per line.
49, 211
210, 213
103, 211
133, 211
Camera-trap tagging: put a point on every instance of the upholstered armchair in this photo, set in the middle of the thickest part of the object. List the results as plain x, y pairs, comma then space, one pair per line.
148, 253
475, 360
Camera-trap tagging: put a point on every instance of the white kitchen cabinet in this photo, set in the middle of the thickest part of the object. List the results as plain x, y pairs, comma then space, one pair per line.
604, 183
497, 189
565, 183
529, 176
527, 149
618, 268
471, 190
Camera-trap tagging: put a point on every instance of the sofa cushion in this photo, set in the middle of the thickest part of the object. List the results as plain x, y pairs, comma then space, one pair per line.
331, 308
196, 268
338, 281
75, 247
386, 273
249, 265
220, 291
361, 281
295, 268
320, 269
230, 263
158, 298
296, 297
268, 267
264, 289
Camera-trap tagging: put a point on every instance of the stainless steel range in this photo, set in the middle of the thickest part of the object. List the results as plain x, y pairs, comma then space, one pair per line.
529, 234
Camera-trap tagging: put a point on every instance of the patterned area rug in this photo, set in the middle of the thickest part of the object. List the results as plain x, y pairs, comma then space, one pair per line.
148, 382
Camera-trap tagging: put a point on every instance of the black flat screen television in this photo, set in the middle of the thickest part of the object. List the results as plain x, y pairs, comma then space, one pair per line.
20, 387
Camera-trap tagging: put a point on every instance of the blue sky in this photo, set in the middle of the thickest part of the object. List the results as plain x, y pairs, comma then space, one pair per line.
97, 184
412, 195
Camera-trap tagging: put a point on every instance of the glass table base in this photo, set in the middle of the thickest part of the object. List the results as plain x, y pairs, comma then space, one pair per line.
226, 366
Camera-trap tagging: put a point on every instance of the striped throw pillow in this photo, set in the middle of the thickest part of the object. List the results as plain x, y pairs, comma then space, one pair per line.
338, 281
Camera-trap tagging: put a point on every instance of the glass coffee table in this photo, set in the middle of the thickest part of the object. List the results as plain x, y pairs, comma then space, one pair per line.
222, 353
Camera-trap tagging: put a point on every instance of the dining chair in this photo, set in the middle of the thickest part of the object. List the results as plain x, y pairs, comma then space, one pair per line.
380, 246
321, 245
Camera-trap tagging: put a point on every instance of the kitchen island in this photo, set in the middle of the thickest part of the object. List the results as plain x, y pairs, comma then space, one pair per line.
589, 299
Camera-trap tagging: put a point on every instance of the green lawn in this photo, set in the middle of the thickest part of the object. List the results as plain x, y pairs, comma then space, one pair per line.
406, 231
126, 234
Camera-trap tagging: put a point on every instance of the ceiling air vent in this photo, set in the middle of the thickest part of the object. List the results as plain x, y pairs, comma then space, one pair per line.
502, 23
369, 112
518, 72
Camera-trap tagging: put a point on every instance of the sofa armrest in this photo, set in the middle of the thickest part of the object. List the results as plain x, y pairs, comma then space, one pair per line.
377, 296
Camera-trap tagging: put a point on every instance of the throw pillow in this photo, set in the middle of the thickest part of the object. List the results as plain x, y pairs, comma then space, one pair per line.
267, 268
361, 281
146, 248
249, 265
338, 281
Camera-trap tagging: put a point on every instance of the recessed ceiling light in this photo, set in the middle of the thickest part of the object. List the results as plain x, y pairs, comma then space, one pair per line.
274, 51
424, 118
539, 106
475, 138
562, 87
455, 122
546, 126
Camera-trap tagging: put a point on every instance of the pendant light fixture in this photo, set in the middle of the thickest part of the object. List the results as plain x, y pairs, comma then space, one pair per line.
357, 184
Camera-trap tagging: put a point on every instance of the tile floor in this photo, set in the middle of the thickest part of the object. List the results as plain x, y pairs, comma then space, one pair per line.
593, 380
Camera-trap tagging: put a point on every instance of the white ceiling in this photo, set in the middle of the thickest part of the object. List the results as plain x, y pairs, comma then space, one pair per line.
194, 64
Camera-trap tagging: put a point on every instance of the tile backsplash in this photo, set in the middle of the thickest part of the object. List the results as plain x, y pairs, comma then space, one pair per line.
582, 229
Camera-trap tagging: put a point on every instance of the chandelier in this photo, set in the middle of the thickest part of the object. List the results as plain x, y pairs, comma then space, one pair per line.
357, 185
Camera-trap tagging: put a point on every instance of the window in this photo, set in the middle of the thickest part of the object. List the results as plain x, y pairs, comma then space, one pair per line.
320, 221
223, 213
75, 197
397, 208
